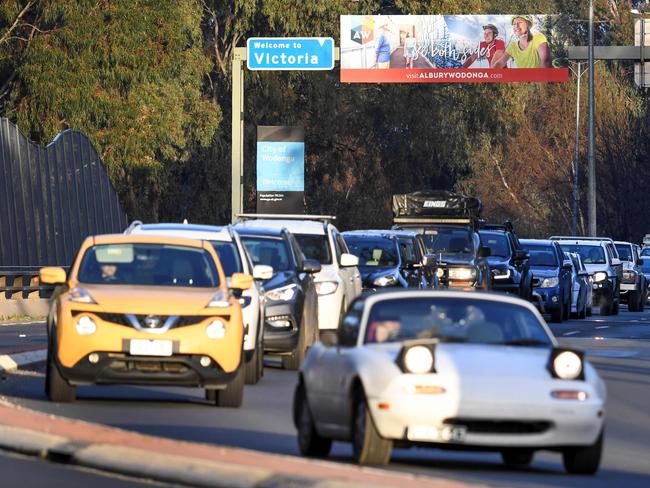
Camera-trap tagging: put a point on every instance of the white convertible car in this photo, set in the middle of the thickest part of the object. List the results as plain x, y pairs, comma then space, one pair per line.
447, 369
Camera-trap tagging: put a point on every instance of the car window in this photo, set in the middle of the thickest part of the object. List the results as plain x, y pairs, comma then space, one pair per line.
645, 251
271, 251
350, 323
407, 251
229, 257
542, 256
448, 240
148, 264
498, 244
340, 242
455, 320
375, 252
315, 247
589, 253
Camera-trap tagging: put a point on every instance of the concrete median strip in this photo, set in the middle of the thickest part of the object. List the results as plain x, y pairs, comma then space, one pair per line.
11, 362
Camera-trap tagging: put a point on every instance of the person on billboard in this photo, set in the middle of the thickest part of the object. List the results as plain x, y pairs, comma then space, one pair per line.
409, 50
527, 49
490, 48
382, 49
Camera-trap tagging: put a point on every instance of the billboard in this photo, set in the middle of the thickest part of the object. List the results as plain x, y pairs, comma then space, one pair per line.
280, 169
448, 48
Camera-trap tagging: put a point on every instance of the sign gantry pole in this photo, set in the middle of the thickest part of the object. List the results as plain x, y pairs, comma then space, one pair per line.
237, 145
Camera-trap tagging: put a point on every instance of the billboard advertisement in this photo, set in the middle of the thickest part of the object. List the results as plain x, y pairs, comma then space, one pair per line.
280, 169
448, 49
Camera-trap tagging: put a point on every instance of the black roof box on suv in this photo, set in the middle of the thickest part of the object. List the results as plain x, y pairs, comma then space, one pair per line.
436, 203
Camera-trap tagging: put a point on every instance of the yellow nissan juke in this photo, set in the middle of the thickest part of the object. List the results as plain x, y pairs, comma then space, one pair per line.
145, 310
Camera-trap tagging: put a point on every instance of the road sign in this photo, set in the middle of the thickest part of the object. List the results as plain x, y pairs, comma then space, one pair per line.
290, 53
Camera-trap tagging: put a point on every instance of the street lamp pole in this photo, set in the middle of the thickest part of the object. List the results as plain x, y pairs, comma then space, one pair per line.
578, 72
590, 152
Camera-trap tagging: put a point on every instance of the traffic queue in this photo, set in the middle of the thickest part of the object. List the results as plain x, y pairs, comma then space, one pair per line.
392, 350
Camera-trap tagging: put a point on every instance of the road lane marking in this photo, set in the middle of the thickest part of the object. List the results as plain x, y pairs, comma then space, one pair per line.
603, 327
571, 333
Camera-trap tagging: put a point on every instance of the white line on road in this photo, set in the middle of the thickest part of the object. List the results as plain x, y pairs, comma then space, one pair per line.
571, 333
603, 327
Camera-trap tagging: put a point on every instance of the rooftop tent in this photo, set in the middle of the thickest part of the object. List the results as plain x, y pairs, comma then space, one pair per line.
437, 204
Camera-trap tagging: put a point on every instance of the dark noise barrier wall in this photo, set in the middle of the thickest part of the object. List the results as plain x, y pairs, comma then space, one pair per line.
51, 199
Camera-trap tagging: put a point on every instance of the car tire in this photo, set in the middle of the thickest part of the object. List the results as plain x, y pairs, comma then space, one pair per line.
556, 314
583, 460
310, 443
252, 373
616, 307
517, 457
57, 388
633, 301
368, 447
231, 396
583, 314
293, 361
606, 306
589, 311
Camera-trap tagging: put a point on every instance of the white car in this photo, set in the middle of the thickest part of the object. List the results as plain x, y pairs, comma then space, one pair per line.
449, 369
339, 281
234, 259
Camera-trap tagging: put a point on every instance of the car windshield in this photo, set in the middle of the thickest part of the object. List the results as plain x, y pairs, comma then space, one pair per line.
315, 247
588, 253
375, 252
451, 240
542, 256
454, 320
624, 252
498, 244
271, 251
645, 251
148, 264
229, 257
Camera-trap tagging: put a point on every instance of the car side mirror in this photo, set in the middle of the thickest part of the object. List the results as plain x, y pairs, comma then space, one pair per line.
52, 275
430, 261
566, 264
583, 273
262, 272
521, 255
240, 281
616, 261
484, 252
348, 260
311, 266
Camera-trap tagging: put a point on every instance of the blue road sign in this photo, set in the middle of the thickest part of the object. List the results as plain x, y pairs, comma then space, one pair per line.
290, 53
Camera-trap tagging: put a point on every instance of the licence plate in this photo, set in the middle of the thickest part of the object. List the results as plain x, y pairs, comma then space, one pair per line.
429, 433
150, 347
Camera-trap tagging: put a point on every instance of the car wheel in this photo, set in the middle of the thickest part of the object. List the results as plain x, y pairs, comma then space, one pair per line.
368, 447
642, 300
583, 460
589, 311
57, 388
616, 306
517, 457
232, 395
606, 306
310, 443
633, 301
556, 314
294, 360
252, 367
583, 312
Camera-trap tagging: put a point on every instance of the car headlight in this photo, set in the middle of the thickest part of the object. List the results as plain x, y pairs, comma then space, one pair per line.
418, 360
79, 295
600, 276
220, 300
549, 282
463, 274
629, 276
283, 294
501, 274
326, 287
566, 365
85, 325
216, 330
385, 281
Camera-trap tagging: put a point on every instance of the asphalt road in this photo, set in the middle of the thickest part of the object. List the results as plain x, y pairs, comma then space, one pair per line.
22, 337
619, 346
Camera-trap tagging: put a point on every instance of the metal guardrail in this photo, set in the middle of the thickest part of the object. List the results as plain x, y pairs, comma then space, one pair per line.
22, 284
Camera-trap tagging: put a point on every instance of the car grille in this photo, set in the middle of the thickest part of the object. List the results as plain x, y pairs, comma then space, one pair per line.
122, 319
488, 426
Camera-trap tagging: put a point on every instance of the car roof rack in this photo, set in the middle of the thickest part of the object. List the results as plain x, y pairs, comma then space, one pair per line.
323, 218
430, 220
579, 238
133, 225
506, 226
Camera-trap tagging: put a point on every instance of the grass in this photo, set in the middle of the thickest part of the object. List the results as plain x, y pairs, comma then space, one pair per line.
21, 318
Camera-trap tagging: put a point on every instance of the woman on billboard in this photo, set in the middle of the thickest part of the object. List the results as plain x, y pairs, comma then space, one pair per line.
529, 50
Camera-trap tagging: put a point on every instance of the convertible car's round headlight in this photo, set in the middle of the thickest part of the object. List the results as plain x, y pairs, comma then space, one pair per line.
418, 360
567, 365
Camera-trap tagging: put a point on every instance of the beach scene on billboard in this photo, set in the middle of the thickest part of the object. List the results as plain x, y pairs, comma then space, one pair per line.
448, 48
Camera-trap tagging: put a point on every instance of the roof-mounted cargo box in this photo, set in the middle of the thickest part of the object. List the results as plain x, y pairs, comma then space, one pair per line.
436, 204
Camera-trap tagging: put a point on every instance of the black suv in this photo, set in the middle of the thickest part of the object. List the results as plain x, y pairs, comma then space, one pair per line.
387, 259
448, 224
508, 260
291, 319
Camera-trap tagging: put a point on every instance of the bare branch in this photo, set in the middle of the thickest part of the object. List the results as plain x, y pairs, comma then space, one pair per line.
5, 37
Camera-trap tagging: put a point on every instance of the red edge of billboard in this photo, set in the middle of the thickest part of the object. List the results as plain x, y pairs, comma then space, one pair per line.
435, 75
